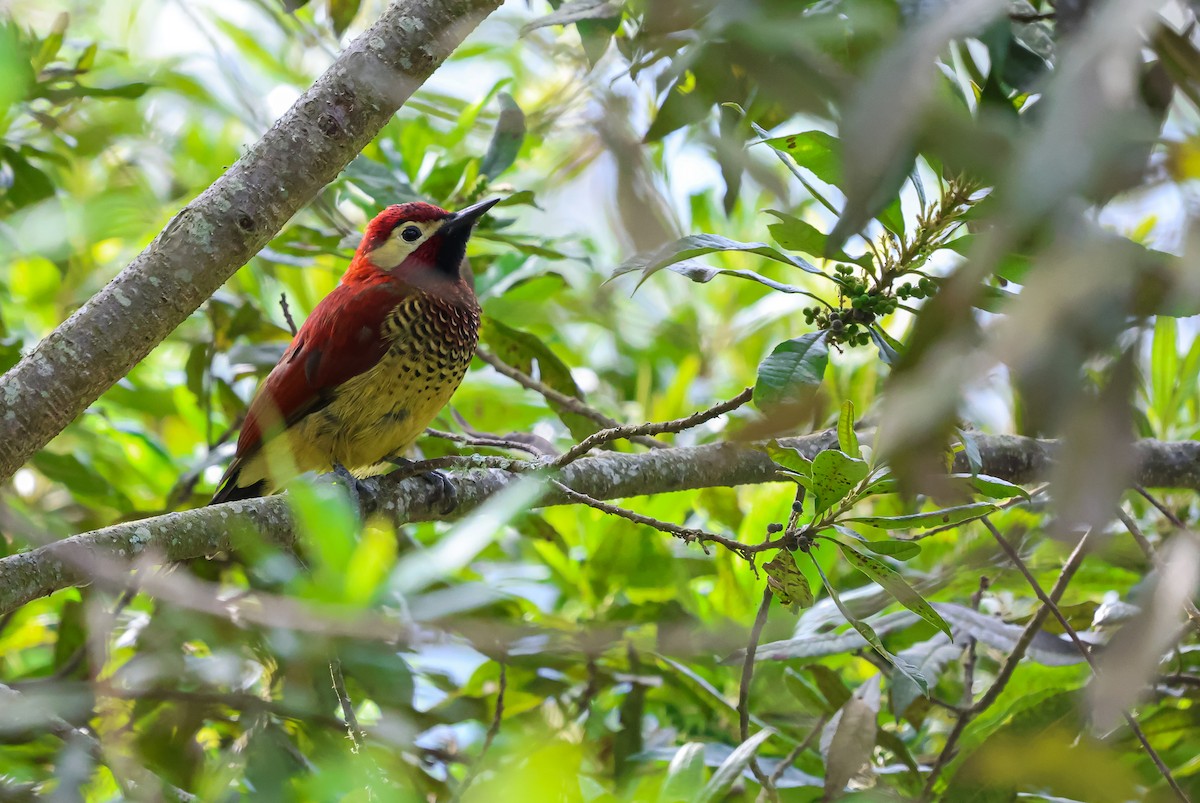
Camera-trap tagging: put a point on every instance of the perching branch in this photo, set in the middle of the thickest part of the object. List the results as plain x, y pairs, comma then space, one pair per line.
218, 232
195, 533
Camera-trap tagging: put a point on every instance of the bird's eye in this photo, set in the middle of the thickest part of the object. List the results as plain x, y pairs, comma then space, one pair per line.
411, 234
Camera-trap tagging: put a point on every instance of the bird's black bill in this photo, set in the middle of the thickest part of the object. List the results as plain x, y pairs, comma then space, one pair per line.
456, 231
465, 218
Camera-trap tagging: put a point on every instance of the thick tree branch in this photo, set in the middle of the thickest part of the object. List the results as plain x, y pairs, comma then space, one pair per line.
195, 533
229, 222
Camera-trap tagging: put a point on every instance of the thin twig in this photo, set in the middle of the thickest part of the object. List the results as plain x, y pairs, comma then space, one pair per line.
794, 753
1189, 607
1006, 669
1162, 508
570, 403
353, 729
287, 313
493, 729
969, 663
676, 425
743, 706
687, 534
1084, 650
487, 443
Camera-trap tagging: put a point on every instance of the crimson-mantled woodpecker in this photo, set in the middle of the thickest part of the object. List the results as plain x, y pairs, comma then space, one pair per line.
375, 361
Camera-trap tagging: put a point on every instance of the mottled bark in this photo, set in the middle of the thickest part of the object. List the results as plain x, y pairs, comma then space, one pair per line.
229, 222
196, 533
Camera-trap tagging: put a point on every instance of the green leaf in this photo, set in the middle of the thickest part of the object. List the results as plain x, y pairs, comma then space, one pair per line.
72, 634
831, 684
867, 633
87, 58
793, 370
815, 151
79, 478
702, 274
847, 438
29, 184
970, 450
731, 768
342, 13
795, 234
789, 458
16, 72
595, 35
697, 245
891, 580
898, 550
787, 582
930, 658
991, 487
685, 775
888, 347
520, 350
835, 474
506, 139
804, 692
574, 11
1164, 369
52, 43
130, 91
935, 518
1181, 59
328, 526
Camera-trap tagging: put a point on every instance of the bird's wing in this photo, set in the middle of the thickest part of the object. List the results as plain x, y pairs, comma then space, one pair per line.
341, 339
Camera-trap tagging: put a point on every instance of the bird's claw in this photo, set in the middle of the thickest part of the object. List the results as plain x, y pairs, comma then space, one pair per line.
363, 493
447, 494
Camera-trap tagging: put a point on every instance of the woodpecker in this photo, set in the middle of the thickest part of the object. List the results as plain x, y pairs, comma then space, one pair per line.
376, 360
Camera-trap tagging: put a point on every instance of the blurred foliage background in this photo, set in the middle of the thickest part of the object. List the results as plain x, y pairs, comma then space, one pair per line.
959, 217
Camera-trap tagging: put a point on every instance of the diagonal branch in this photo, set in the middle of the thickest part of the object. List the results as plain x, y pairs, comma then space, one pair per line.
229, 222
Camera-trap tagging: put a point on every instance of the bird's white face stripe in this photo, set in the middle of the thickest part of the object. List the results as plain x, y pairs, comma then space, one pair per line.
395, 249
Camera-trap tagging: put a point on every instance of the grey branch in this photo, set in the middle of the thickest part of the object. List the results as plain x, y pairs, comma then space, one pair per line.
218, 232
196, 533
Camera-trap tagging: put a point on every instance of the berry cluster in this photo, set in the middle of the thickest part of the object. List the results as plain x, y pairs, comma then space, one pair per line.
848, 325
922, 289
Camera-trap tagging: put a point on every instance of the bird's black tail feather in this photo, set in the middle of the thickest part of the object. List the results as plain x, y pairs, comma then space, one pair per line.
230, 491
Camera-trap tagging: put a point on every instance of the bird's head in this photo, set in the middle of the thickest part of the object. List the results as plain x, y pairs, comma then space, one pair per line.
419, 240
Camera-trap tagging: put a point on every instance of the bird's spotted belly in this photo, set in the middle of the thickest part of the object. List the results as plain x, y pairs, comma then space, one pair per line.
379, 413
376, 415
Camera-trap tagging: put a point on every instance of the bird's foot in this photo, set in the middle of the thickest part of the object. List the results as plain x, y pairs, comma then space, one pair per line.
446, 494
364, 493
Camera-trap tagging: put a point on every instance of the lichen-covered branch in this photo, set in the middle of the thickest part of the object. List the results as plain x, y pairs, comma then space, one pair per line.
195, 533
218, 232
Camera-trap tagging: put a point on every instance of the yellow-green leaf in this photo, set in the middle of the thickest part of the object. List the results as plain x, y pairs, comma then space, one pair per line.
847, 438
895, 585
787, 582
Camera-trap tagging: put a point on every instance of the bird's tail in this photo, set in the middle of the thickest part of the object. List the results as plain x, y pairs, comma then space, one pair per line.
230, 491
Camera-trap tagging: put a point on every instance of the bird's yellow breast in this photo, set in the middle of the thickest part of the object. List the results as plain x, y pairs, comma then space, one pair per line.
379, 413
